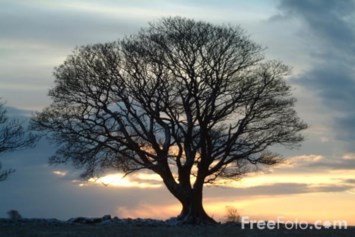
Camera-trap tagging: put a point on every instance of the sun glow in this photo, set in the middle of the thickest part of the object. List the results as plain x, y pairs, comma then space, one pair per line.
295, 194
349, 156
134, 181
59, 173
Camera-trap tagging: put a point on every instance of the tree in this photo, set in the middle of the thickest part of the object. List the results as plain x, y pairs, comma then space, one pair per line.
232, 214
14, 215
12, 137
188, 100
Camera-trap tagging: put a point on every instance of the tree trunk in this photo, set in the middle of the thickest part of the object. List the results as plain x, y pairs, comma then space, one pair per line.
190, 198
192, 210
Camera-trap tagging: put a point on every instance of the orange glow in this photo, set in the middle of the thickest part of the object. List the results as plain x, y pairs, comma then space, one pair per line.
150, 211
302, 207
311, 204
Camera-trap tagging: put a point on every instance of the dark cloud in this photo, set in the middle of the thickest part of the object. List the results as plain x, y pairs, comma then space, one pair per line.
347, 181
304, 164
294, 188
35, 191
330, 32
17, 113
277, 189
329, 19
337, 164
325, 163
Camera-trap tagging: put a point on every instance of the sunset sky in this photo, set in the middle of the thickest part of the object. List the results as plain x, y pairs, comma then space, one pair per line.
316, 38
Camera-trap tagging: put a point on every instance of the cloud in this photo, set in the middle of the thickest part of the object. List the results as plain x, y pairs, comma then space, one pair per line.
16, 113
279, 189
349, 156
37, 35
167, 207
336, 164
63, 24
348, 181
39, 190
288, 188
315, 163
74, 23
60, 173
53, 191
302, 160
141, 180
330, 32
329, 20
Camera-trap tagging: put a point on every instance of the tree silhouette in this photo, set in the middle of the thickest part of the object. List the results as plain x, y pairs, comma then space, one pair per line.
188, 100
12, 137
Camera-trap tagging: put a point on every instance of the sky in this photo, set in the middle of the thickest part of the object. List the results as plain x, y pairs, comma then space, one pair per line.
315, 37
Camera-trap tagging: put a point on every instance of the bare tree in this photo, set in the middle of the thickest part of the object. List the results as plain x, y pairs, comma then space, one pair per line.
232, 214
13, 137
188, 100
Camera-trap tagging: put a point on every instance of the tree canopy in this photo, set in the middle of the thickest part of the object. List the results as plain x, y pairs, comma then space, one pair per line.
13, 136
188, 100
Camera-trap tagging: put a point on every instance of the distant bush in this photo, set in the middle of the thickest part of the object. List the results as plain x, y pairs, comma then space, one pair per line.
14, 215
232, 214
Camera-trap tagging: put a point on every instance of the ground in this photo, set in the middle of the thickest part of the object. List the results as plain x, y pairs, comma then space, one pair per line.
133, 230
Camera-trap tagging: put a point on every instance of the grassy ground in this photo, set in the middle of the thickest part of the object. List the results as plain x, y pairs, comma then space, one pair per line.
40, 230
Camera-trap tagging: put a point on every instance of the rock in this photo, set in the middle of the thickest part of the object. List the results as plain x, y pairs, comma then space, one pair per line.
85, 220
76, 220
106, 217
173, 221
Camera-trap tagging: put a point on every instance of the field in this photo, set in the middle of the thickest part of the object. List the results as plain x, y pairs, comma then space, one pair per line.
84, 230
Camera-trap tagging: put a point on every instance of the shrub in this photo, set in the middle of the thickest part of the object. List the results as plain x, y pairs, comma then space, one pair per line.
14, 215
232, 214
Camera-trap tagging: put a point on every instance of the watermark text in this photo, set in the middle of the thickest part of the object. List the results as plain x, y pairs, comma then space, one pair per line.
281, 223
